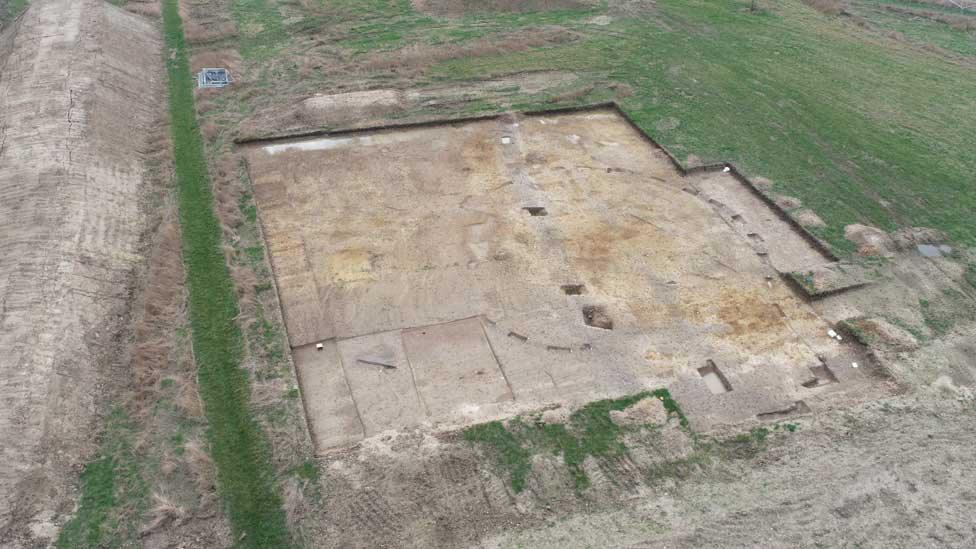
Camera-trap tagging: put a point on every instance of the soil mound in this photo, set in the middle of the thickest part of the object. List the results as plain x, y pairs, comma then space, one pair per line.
80, 83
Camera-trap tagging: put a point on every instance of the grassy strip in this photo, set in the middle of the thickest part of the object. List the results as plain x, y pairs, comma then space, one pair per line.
589, 432
917, 29
97, 499
110, 485
970, 275
238, 447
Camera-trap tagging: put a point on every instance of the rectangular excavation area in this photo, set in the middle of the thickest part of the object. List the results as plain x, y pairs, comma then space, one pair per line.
420, 260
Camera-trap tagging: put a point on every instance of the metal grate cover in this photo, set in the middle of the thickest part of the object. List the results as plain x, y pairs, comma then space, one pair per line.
213, 78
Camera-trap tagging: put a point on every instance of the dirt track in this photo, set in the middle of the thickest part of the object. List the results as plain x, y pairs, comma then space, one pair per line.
79, 87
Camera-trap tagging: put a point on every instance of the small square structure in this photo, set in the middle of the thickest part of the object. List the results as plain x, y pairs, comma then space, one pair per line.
213, 78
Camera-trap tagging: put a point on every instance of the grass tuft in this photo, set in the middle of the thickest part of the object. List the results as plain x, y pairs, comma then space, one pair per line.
110, 485
508, 450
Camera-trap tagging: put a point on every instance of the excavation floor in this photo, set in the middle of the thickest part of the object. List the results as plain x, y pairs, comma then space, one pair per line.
446, 275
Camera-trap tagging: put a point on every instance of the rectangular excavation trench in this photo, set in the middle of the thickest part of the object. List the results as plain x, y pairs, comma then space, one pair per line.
412, 257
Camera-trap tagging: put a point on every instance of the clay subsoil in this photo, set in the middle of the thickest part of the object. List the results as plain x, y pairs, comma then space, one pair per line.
506, 265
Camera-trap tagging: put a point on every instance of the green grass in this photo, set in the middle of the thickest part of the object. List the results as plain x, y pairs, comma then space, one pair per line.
508, 450
239, 449
98, 498
970, 275
853, 328
805, 280
266, 338
259, 26
943, 312
399, 26
589, 432
341, 10
11, 9
110, 485
916, 332
938, 322
919, 30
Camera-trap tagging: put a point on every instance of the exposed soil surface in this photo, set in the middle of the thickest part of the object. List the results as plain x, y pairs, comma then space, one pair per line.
71, 233
895, 473
429, 288
514, 268
823, 471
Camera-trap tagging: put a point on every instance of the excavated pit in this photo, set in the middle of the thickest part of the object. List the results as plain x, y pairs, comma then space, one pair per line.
412, 248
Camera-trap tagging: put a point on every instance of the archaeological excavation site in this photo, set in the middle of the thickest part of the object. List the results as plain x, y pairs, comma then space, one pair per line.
452, 274
567, 273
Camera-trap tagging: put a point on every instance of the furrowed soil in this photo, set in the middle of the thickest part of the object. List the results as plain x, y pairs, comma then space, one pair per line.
73, 232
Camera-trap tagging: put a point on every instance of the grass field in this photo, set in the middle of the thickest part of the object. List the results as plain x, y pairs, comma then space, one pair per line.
859, 130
